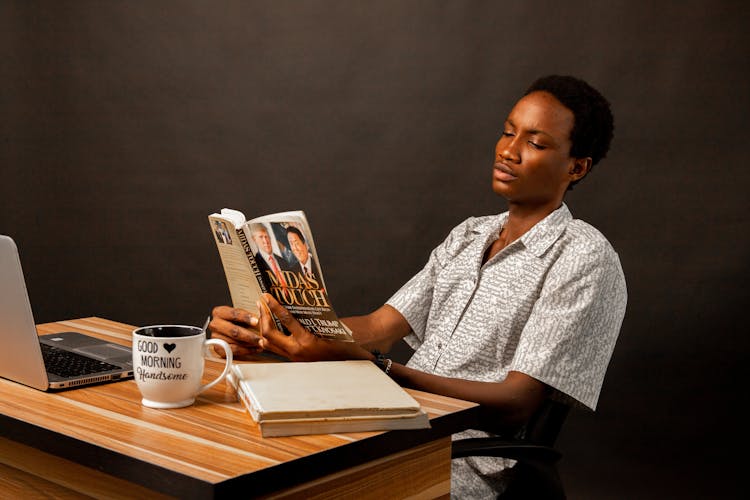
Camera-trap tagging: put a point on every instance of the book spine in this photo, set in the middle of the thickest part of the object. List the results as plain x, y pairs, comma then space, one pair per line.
256, 270
251, 259
247, 402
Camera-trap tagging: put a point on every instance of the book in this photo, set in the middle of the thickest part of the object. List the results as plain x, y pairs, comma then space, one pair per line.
276, 254
323, 397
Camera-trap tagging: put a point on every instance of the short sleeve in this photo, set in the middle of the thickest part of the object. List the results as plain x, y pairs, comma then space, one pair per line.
572, 330
414, 299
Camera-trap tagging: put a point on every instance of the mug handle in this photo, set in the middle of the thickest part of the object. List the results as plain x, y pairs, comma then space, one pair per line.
227, 365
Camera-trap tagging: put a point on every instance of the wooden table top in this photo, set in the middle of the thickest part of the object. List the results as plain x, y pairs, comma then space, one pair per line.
212, 446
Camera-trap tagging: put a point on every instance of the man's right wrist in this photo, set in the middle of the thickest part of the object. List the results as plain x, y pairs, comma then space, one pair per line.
382, 362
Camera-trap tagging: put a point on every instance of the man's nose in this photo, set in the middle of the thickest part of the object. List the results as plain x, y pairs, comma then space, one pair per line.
509, 152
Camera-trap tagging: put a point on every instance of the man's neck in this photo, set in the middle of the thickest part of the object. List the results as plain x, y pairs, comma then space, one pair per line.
522, 217
520, 220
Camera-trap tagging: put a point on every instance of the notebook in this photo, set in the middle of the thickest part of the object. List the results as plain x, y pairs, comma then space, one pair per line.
48, 362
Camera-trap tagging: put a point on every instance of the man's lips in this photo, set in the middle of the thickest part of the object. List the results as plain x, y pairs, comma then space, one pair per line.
503, 173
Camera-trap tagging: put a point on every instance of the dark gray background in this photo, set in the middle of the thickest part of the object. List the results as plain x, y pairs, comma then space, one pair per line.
124, 124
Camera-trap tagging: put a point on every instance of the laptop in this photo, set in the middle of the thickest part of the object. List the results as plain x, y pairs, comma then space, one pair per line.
48, 362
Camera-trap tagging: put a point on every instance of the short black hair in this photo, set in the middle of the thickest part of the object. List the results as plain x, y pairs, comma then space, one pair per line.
292, 229
593, 124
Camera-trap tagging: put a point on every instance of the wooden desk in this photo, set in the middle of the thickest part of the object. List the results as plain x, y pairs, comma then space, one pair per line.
99, 441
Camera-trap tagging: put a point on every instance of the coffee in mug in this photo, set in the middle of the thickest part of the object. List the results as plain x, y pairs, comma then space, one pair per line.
168, 362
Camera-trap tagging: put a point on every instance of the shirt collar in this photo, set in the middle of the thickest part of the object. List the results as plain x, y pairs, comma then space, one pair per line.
540, 237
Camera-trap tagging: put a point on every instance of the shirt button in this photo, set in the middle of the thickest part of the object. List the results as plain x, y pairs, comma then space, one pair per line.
440, 345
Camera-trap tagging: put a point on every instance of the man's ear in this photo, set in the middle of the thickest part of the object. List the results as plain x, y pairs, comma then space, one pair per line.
580, 168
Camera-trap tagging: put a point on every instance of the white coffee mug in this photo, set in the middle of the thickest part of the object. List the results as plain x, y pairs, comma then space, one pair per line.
168, 362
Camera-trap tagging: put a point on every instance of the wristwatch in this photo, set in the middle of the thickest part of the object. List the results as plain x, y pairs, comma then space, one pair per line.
382, 362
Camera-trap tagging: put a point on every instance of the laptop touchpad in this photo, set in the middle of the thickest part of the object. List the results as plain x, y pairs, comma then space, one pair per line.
108, 352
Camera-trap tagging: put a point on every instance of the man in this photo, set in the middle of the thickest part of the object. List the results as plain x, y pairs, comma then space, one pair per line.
222, 233
267, 260
305, 262
510, 309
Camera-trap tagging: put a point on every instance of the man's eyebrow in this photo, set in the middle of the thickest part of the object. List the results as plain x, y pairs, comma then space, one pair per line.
531, 131
538, 132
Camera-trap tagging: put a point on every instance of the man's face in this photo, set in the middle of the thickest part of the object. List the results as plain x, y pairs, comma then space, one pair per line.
263, 241
532, 158
299, 249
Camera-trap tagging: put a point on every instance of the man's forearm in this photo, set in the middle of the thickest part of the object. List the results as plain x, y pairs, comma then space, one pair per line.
379, 329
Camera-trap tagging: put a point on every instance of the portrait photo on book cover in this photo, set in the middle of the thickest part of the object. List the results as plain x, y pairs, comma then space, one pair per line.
222, 233
287, 264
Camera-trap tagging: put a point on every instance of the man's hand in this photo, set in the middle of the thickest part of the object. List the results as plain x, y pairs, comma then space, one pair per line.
301, 344
238, 327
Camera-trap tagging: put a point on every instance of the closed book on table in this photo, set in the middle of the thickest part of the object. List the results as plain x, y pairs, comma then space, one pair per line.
324, 397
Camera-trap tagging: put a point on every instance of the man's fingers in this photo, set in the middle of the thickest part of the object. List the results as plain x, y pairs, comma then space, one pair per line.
239, 351
233, 331
265, 345
267, 325
234, 314
286, 318
272, 339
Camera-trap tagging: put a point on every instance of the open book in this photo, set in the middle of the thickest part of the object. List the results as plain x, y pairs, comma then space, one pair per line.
324, 397
276, 254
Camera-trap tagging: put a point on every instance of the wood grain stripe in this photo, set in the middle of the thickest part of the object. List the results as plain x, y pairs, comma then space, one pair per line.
214, 441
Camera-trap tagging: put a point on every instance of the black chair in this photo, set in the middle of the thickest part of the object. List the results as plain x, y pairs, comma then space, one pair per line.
535, 473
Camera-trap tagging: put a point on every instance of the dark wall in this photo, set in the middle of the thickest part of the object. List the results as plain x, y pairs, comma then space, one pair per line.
124, 124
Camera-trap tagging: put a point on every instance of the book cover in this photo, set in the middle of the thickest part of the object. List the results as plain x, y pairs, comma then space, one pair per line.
276, 254
323, 397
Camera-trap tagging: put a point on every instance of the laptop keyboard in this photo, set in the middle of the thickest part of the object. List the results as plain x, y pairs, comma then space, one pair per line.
69, 364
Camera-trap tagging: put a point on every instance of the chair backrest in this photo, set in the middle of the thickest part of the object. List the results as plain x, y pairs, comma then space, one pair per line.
545, 425
535, 473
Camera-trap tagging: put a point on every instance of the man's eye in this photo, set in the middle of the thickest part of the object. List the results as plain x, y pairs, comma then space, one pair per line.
507, 134
537, 146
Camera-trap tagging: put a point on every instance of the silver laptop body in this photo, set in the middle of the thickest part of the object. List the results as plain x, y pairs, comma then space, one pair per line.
21, 357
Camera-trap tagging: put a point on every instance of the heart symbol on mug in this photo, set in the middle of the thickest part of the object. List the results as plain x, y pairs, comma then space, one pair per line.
170, 347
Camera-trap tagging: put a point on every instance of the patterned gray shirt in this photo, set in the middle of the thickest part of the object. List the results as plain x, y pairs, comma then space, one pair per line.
549, 305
